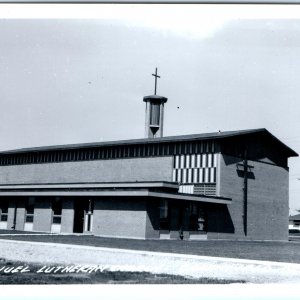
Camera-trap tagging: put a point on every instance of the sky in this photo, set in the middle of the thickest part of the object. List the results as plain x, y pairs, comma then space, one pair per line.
78, 73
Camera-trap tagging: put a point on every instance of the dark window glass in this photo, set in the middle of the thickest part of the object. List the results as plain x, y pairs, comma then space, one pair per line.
29, 210
57, 210
197, 219
164, 215
143, 150
29, 219
4, 206
29, 206
154, 113
3, 217
3, 210
56, 220
57, 206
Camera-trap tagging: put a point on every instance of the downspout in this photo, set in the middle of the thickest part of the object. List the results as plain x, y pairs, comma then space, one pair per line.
15, 217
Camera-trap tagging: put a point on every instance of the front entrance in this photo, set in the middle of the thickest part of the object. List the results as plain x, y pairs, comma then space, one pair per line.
79, 206
83, 215
182, 220
3, 213
164, 219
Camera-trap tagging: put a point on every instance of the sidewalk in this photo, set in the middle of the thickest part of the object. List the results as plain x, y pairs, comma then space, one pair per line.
253, 271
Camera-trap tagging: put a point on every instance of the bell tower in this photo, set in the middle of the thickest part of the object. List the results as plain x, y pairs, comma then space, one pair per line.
154, 113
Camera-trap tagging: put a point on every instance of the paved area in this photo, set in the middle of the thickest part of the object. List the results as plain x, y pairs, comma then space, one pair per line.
111, 259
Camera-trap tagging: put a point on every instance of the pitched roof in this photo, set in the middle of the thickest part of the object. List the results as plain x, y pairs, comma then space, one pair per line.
178, 138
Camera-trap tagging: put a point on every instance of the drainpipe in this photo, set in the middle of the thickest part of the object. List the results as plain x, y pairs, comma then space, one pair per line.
15, 217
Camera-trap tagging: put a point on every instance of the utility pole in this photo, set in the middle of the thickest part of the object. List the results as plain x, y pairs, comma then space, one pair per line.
246, 169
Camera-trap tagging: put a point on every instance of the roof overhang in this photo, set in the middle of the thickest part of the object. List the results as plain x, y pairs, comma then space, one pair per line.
167, 139
93, 185
131, 189
295, 218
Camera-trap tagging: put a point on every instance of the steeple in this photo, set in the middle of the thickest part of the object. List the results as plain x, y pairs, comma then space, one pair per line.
154, 113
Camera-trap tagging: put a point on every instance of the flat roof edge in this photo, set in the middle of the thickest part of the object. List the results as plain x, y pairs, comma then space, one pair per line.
143, 191
129, 184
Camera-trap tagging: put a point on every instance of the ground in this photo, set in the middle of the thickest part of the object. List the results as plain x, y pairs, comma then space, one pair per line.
271, 251
225, 268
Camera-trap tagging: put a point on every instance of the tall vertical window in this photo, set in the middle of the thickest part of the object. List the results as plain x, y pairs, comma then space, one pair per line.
56, 210
201, 220
89, 216
3, 210
163, 215
154, 113
197, 219
29, 210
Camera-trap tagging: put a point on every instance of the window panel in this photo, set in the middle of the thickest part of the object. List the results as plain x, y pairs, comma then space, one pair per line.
56, 210
3, 210
29, 209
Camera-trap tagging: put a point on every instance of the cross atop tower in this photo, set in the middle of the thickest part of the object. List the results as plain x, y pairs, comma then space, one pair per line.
156, 76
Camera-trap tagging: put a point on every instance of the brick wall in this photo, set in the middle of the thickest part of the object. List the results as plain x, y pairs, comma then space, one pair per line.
268, 212
67, 216
122, 170
152, 219
42, 214
120, 217
11, 212
267, 202
20, 220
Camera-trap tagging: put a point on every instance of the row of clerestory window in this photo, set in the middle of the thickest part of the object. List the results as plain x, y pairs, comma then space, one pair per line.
112, 152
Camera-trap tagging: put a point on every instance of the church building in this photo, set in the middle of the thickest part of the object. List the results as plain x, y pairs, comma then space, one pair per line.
223, 185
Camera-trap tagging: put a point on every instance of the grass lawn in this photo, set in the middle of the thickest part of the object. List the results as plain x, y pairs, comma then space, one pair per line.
272, 251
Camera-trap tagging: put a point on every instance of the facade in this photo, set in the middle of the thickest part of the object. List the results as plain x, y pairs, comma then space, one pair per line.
195, 186
224, 185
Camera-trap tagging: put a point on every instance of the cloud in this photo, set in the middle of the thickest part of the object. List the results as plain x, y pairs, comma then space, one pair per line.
192, 21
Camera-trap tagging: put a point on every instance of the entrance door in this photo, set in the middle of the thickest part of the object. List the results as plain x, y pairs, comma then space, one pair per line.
197, 221
79, 207
164, 219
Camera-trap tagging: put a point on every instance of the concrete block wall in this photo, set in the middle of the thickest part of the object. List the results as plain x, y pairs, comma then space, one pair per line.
67, 216
42, 219
267, 207
20, 220
174, 221
120, 217
219, 221
230, 185
113, 170
11, 212
43, 215
126, 217
152, 219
